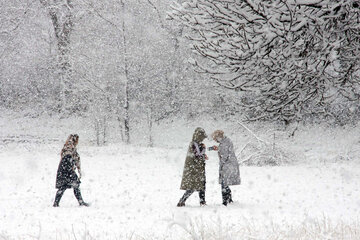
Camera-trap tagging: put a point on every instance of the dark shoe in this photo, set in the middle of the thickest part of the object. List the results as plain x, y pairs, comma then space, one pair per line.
225, 204
181, 204
56, 205
84, 204
231, 201
202, 204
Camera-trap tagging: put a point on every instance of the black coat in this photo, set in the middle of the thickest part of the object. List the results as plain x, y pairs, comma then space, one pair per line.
66, 176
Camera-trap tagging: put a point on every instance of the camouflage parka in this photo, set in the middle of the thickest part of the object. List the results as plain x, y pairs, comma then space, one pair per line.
194, 168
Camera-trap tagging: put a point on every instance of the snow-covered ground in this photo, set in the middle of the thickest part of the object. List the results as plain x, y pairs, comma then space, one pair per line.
133, 190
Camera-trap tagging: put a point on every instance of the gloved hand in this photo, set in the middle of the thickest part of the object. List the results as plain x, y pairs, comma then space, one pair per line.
213, 148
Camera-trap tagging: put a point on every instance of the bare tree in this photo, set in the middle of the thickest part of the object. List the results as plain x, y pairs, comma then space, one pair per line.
126, 73
284, 52
62, 18
109, 61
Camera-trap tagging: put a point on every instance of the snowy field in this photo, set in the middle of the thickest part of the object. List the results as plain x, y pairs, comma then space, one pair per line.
133, 190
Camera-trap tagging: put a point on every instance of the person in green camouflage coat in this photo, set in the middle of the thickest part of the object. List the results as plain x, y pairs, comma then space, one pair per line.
193, 178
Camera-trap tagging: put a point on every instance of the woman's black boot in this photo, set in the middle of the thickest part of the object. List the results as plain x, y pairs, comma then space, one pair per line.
58, 196
78, 196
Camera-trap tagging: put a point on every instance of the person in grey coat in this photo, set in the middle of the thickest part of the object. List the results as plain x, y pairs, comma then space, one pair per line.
229, 172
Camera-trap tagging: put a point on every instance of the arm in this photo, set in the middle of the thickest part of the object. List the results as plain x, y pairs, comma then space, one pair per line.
224, 153
199, 151
77, 163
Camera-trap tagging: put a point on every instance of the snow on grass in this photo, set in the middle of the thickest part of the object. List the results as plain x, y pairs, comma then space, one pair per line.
134, 191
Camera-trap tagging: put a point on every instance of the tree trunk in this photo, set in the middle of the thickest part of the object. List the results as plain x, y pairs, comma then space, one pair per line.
150, 124
104, 130
97, 131
121, 128
126, 71
63, 27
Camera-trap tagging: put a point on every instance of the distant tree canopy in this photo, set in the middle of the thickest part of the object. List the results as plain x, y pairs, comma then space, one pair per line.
296, 57
117, 62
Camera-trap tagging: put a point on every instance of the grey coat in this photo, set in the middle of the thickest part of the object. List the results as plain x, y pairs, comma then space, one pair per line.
229, 172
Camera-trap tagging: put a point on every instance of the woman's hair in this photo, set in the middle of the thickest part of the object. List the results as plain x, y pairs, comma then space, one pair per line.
76, 139
73, 139
218, 134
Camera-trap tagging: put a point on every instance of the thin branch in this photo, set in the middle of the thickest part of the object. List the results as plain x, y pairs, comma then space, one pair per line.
102, 16
158, 13
252, 133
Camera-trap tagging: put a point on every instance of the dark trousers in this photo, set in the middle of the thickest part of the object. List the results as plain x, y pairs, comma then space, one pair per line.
61, 191
188, 193
226, 194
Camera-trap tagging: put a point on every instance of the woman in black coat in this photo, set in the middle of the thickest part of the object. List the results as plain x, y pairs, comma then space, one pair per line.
66, 176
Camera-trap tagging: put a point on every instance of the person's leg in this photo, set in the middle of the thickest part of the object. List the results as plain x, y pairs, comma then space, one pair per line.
229, 195
202, 197
225, 192
58, 196
78, 196
186, 195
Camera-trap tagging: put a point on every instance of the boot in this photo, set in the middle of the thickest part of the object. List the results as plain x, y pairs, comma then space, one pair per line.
230, 199
58, 196
78, 196
225, 198
202, 198
180, 204
202, 203
183, 199
82, 203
